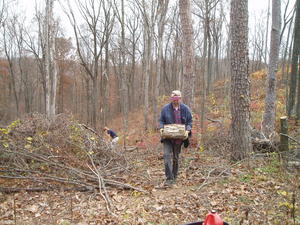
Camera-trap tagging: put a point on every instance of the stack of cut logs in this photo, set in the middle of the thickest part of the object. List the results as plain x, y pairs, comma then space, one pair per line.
174, 131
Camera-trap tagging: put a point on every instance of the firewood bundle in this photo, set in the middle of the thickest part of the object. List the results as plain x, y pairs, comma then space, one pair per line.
174, 131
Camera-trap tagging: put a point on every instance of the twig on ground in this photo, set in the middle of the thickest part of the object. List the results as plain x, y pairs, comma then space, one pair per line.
206, 181
101, 185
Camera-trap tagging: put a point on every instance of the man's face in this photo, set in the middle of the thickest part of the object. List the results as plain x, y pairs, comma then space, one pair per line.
175, 99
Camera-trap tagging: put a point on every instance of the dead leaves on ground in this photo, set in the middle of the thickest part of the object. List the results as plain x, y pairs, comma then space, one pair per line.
258, 193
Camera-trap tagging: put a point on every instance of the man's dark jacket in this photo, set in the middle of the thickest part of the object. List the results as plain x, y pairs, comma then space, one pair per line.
167, 116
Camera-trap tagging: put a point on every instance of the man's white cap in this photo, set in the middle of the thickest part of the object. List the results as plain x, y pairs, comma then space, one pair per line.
176, 93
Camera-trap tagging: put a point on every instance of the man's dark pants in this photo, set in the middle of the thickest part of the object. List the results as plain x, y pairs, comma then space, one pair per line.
171, 159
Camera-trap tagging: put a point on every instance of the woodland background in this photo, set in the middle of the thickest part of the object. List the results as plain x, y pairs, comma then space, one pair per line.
123, 57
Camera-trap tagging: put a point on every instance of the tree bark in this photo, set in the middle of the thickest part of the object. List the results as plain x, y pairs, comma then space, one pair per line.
267, 32
163, 7
124, 93
285, 64
295, 58
8, 49
188, 51
240, 85
147, 62
149, 17
297, 51
268, 123
204, 71
50, 64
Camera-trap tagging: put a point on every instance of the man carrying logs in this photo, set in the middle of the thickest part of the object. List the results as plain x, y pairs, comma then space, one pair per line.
175, 125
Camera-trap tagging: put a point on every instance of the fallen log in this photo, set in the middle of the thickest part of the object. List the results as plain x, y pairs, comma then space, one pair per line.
9, 190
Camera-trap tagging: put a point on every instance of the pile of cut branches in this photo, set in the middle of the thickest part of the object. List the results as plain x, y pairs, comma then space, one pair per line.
38, 154
220, 139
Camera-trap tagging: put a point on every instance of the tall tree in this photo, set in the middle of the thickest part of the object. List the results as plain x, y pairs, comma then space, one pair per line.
148, 10
162, 11
268, 123
188, 50
3, 10
287, 23
295, 59
10, 51
297, 53
240, 85
267, 32
123, 74
63, 48
50, 63
133, 25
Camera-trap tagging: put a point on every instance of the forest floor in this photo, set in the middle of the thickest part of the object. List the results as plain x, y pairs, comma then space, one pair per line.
254, 192
259, 190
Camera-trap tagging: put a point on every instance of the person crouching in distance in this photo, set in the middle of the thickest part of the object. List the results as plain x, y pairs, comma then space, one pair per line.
112, 135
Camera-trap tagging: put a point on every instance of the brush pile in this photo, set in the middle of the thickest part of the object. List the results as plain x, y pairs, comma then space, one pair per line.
38, 154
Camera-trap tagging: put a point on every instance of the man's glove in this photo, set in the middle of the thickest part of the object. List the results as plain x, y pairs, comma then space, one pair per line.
186, 135
161, 130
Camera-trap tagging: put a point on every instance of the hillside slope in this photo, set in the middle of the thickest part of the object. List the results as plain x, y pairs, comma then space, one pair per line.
260, 190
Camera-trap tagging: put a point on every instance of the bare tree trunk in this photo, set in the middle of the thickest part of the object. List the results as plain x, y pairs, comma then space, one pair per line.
285, 63
168, 56
148, 56
87, 112
267, 33
174, 80
163, 7
297, 37
240, 85
289, 60
104, 86
135, 35
188, 51
50, 65
204, 71
94, 101
54, 83
209, 64
124, 77
268, 123
295, 59
218, 40
149, 18
298, 98
8, 49
287, 22
47, 57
